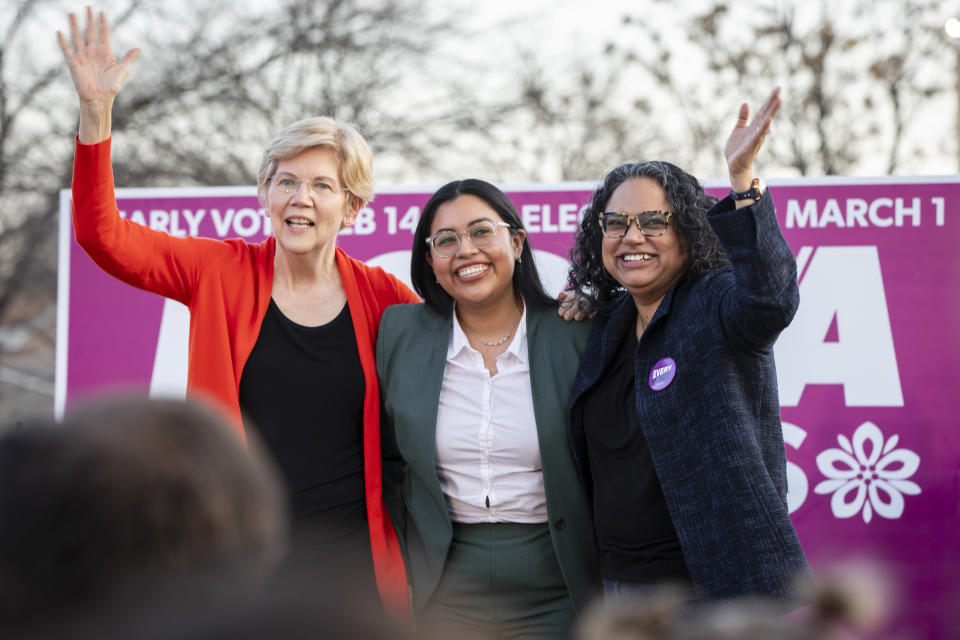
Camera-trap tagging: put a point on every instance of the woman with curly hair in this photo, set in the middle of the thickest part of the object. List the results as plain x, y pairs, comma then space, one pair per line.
675, 421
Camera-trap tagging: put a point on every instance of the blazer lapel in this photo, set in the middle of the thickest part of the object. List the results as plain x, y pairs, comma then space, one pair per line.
546, 409
608, 337
426, 378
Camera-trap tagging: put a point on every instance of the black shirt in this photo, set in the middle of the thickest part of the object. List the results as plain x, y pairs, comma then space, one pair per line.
635, 535
302, 388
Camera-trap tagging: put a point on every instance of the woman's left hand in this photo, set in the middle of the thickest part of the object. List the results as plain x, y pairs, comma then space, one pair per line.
746, 139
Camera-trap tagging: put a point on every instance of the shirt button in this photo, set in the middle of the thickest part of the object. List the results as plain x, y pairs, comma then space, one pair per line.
559, 524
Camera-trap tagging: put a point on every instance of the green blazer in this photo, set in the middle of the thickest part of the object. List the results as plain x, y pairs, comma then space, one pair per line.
411, 355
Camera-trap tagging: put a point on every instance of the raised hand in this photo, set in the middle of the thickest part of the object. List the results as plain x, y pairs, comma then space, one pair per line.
97, 75
746, 139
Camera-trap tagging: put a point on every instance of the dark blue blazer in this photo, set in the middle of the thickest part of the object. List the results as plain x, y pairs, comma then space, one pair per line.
714, 432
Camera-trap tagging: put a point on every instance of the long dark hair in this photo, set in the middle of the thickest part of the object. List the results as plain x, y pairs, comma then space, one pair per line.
690, 202
526, 279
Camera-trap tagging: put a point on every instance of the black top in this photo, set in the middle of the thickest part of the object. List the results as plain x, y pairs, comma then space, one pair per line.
303, 389
635, 534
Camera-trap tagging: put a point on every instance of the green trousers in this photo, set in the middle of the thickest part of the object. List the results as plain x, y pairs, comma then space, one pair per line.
500, 581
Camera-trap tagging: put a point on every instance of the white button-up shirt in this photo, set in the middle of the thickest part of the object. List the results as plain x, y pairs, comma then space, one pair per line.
488, 455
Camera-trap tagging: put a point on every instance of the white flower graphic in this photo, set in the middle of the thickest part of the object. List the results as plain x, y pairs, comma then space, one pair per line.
879, 474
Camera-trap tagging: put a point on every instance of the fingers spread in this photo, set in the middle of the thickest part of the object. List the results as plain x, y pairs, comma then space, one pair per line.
91, 33
64, 45
131, 55
104, 29
75, 33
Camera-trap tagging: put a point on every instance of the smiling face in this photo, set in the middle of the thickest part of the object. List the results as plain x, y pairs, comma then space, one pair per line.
475, 277
308, 220
645, 266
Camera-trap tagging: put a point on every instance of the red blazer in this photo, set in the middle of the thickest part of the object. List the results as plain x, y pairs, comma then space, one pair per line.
227, 286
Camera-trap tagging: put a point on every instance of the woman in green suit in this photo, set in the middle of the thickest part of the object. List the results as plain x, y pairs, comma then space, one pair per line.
475, 383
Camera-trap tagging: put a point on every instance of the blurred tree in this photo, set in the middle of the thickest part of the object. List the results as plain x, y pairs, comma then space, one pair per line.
855, 77
215, 80
863, 85
580, 128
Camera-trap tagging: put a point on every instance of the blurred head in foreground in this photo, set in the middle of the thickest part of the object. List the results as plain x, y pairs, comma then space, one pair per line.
125, 496
852, 600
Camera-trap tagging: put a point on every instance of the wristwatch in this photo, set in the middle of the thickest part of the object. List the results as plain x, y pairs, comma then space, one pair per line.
755, 192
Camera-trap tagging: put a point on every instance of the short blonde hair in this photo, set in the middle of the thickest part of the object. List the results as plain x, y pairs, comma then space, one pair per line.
342, 138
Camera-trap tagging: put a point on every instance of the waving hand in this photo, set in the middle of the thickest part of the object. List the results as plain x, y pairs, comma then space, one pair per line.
746, 139
97, 75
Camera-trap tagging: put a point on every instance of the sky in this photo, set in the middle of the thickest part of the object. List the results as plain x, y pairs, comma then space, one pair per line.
560, 32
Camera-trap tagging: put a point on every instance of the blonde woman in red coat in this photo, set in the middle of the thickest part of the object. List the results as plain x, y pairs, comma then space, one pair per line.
281, 332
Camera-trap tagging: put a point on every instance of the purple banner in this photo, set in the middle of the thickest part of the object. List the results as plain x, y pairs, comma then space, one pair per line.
867, 370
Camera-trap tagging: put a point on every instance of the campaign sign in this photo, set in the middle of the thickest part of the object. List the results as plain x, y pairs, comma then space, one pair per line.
868, 371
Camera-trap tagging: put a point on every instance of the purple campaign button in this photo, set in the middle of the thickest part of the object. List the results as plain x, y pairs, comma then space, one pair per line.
662, 374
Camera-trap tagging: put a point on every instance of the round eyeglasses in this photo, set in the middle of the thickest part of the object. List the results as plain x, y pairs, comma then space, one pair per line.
446, 242
615, 224
291, 184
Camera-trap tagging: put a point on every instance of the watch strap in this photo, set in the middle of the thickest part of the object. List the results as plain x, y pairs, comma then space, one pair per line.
755, 192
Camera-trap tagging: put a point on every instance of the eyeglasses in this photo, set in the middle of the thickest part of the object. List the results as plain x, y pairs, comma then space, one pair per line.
291, 184
615, 224
446, 242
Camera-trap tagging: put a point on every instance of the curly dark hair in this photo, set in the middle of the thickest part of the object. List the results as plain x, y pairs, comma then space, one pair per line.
689, 201
526, 278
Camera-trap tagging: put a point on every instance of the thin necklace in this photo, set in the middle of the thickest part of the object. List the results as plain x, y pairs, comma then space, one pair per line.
499, 342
